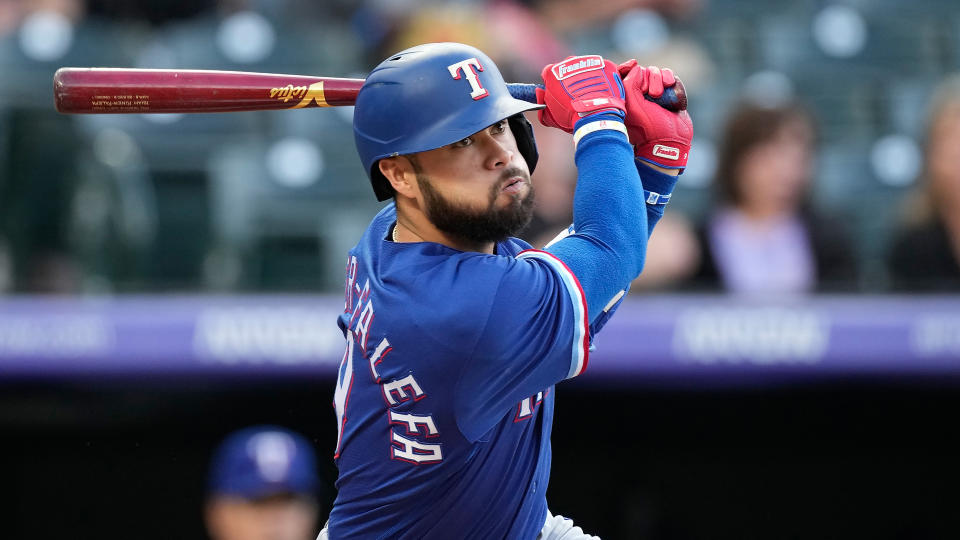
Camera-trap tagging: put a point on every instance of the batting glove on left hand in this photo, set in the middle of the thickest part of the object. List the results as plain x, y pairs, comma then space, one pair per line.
578, 87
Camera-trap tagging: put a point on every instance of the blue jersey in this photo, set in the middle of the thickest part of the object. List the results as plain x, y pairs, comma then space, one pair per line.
445, 394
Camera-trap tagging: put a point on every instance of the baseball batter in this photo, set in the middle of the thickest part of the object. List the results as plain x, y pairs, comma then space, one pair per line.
457, 333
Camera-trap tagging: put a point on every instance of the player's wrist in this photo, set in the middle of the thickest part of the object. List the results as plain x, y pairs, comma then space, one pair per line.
598, 116
585, 128
658, 184
663, 171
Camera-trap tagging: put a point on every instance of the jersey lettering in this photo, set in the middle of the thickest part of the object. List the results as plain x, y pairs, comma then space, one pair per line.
350, 282
378, 354
363, 324
415, 452
526, 407
359, 300
412, 421
341, 396
399, 391
477, 91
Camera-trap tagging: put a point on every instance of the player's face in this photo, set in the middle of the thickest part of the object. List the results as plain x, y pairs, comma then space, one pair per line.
477, 188
274, 518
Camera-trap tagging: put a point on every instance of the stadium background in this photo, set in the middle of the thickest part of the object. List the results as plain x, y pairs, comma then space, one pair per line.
140, 223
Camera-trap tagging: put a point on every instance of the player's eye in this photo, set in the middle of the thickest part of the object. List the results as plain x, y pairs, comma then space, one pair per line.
466, 141
500, 126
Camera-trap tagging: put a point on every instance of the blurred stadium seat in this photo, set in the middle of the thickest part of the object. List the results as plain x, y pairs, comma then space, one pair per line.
174, 151
28, 64
114, 222
846, 183
248, 41
906, 105
273, 198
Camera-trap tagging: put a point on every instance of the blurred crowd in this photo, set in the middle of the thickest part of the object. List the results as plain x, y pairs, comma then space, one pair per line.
826, 157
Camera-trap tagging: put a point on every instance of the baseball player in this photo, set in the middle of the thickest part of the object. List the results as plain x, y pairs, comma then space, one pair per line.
262, 485
456, 333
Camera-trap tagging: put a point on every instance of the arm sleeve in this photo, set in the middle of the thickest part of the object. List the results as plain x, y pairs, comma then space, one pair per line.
658, 188
609, 216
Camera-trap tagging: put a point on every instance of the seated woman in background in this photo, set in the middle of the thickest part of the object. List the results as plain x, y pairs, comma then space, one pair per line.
763, 237
925, 255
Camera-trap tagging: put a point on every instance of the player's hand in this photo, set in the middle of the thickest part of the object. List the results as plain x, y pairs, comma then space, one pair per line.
658, 136
578, 87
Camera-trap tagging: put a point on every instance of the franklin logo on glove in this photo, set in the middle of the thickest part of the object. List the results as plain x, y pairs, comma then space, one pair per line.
666, 152
577, 64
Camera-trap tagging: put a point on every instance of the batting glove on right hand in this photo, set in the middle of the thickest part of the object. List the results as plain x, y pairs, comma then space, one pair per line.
658, 136
578, 87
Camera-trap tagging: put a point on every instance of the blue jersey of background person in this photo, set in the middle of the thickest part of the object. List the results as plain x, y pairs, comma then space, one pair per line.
445, 393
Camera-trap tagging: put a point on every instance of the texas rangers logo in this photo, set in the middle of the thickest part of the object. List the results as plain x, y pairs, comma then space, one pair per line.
577, 64
477, 91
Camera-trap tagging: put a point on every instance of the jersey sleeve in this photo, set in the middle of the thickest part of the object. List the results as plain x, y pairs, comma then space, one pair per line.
536, 335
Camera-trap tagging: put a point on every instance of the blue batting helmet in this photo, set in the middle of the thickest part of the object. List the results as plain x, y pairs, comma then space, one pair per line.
430, 96
261, 461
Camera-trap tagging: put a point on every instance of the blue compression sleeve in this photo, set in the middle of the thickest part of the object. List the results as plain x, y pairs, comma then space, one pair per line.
607, 251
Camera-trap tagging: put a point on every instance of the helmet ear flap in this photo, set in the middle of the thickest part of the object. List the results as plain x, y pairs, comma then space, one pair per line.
526, 144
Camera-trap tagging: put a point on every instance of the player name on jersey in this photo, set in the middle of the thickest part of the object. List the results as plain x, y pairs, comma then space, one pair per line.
408, 430
395, 392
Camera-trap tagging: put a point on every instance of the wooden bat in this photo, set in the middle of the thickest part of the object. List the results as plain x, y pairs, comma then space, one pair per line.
135, 91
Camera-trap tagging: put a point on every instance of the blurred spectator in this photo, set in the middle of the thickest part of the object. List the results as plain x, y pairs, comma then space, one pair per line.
764, 235
672, 254
263, 486
566, 15
925, 255
13, 12
514, 35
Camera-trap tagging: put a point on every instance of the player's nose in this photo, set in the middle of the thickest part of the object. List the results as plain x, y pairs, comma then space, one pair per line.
499, 153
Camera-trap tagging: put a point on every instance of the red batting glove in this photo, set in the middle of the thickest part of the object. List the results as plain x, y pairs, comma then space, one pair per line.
546, 116
578, 87
658, 136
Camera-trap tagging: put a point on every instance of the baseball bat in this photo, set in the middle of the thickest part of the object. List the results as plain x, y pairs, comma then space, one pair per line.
128, 90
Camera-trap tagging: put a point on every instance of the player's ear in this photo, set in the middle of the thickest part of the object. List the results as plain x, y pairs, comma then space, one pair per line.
399, 173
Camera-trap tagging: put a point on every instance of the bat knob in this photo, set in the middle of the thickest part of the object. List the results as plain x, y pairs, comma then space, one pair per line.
673, 98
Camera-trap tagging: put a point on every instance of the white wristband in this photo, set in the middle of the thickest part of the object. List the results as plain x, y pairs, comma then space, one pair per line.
597, 126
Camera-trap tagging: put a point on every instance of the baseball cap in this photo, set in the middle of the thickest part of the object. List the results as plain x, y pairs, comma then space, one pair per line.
262, 461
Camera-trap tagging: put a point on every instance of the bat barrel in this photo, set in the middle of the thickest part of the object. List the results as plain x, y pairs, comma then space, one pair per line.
115, 90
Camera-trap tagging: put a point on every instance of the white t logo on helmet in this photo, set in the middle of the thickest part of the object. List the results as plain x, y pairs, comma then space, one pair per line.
466, 66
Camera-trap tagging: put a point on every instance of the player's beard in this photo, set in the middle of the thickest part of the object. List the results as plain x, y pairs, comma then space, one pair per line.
491, 224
